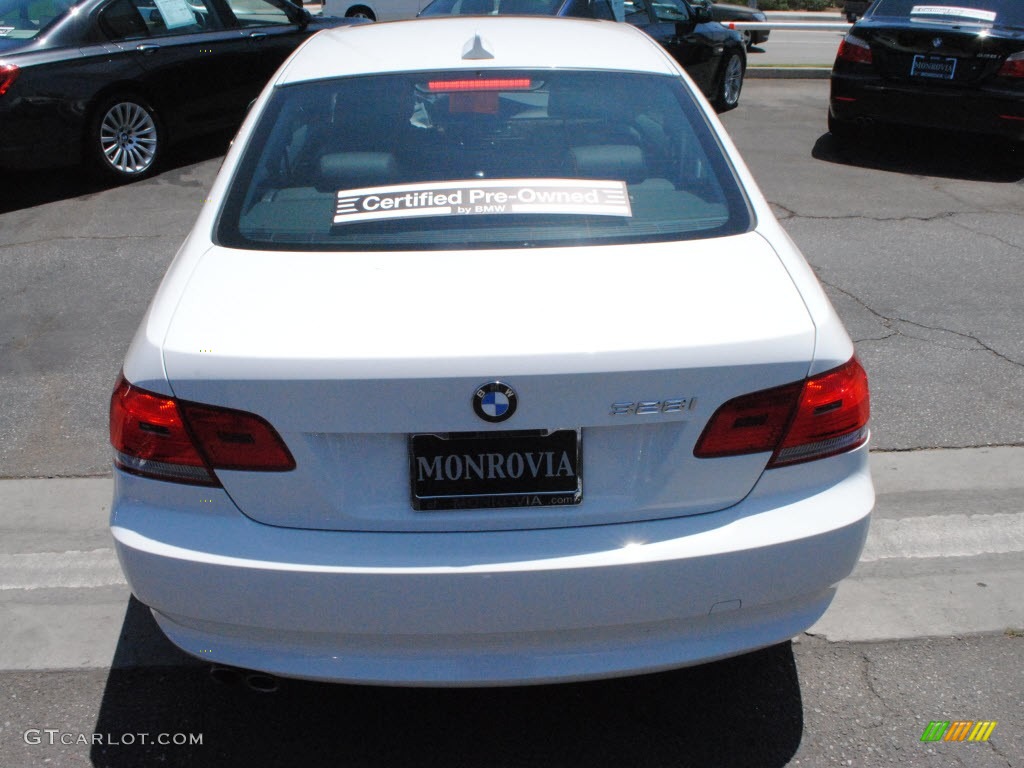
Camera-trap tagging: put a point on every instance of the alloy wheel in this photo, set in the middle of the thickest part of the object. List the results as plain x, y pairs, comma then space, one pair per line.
128, 138
732, 83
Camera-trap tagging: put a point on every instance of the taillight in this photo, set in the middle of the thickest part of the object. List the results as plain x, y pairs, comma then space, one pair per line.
818, 417
832, 416
167, 439
8, 74
237, 440
1012, 67
753, 423
855, 50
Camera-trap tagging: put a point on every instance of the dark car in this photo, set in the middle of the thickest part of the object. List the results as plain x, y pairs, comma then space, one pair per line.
715, 57
957, 68
115, 82
725, 12
854, 9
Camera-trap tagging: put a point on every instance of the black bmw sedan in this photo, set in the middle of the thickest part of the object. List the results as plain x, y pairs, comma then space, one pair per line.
956, 66
115, 82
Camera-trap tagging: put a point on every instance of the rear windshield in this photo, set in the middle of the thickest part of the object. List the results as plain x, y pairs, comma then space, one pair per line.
22, 20
491, 160
1007, 13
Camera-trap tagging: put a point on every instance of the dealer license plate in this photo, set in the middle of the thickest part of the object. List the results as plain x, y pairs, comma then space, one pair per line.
936, 67
481, 470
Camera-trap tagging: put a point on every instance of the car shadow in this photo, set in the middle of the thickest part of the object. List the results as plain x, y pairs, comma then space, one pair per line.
27, 189
744, 712
942, 155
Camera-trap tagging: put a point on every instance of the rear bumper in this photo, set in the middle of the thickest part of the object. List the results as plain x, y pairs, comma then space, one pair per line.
39, 138
499, 608
989, 112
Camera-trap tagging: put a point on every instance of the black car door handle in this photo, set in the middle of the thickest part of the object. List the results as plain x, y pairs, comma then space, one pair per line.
147, 48
257, 35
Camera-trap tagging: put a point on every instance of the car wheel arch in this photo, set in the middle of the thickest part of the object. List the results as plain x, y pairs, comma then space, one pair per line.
360, 12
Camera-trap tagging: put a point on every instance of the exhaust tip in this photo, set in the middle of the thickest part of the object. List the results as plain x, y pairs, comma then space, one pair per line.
228, 676
232, 677
261, 682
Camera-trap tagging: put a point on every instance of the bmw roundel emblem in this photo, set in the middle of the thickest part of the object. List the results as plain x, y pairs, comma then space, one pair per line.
494, 402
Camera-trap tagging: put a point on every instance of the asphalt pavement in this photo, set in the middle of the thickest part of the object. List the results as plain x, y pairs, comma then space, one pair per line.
807, 703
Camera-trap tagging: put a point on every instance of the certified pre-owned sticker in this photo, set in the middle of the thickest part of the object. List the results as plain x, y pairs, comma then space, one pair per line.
951, 10
476, 197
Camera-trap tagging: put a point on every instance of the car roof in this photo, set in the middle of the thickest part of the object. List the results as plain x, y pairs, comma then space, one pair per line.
439, 43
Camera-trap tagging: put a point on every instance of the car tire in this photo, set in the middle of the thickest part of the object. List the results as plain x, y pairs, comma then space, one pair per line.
730, 82
360, 12
843, 132
748, 38
125, 139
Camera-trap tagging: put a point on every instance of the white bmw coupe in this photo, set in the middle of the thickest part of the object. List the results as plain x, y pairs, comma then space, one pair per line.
487, 363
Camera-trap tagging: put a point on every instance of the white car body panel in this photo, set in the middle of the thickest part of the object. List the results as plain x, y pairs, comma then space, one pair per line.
326, 572
404, 315
333, 365
613, 600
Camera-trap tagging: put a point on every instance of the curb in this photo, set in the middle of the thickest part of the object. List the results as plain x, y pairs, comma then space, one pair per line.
789, 73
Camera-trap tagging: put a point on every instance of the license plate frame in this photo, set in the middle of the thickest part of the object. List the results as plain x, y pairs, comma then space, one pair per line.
933, 67
495, 470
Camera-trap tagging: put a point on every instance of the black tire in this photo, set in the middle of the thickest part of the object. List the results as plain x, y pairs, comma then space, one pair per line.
843, 133
1016, 155
730, 82
124, 140
360, 12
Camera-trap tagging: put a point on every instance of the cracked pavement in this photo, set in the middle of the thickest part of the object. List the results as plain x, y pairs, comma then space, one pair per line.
807, 703
78, 274
919, 242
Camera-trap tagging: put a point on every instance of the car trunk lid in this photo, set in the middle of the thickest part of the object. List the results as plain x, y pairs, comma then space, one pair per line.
631, 350
943, 55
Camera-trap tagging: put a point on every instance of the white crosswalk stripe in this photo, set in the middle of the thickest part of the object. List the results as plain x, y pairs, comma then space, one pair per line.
60, 570
944, 536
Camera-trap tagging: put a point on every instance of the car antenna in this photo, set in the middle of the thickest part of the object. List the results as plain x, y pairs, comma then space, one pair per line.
475, 49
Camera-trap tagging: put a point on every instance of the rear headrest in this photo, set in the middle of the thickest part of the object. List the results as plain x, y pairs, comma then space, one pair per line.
624, 162
349, 170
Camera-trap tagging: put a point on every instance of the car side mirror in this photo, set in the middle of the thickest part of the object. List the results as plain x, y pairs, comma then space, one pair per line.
701, 14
